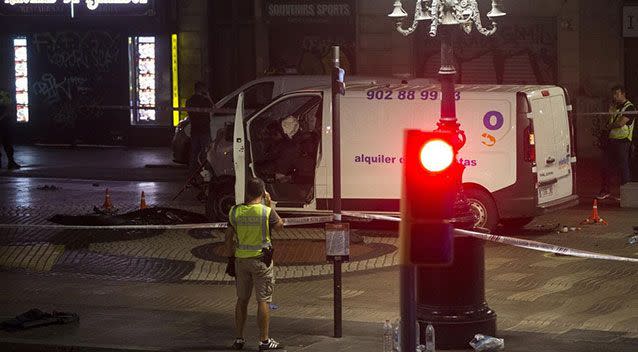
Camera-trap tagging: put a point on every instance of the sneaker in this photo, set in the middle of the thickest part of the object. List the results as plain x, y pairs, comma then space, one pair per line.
13, 165
270, 344
603, 195
239, 344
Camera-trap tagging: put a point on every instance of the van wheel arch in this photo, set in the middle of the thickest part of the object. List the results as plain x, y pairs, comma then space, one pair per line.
482, 205
221, 197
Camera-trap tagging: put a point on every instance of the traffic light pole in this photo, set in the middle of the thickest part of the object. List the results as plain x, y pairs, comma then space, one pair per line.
336, 186
408, 303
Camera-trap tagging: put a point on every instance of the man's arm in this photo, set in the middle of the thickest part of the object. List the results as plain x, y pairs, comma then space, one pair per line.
623, 120
275, 221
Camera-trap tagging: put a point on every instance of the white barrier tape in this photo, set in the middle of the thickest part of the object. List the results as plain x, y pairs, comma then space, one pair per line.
517, 242
307, 220
605, 113
543, 247
214, 225
159, 108
371, 216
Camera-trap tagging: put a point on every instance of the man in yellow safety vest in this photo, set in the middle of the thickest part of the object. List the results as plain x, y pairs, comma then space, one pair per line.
616, 152
249, 247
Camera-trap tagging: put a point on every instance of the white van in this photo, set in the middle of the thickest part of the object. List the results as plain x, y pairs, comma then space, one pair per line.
519, 153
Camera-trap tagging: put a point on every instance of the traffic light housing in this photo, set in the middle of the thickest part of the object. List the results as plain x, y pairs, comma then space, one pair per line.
431, 177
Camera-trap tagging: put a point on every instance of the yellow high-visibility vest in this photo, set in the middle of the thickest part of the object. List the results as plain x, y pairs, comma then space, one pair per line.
625, 131
252, 228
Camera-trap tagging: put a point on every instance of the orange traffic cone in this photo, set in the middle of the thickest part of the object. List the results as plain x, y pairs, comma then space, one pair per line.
594, 218
107, 201
143, 201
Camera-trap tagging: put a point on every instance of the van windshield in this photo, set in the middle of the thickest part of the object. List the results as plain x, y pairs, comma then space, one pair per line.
255, 97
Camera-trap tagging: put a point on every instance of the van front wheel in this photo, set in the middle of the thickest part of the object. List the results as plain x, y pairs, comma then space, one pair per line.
221, 197
483, 207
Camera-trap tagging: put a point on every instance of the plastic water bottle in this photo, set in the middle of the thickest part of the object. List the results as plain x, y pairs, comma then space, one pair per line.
396, 336
387, 336
430, 342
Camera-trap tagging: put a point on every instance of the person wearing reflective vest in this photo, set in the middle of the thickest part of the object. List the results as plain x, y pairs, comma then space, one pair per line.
249, 246
616, 153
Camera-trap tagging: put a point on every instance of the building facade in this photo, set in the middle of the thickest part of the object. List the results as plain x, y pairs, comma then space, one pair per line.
585, 45
88, 72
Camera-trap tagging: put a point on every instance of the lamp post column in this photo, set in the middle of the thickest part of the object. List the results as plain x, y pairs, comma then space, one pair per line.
452, 298
447, 75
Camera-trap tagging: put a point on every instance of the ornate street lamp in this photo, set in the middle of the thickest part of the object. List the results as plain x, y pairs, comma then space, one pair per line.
446, 13
452, 298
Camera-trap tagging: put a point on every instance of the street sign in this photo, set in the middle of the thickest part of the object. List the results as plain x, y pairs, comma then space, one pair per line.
337, 241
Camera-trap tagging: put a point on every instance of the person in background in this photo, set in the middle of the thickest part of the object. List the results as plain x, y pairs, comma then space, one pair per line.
6, 126
249, 249
200, 123
616, 152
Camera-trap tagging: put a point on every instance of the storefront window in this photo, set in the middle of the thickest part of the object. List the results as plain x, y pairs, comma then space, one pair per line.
142, 79
21, 79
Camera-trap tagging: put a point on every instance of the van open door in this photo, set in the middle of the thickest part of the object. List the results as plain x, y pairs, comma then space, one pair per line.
239, 150
285, 147
553, 146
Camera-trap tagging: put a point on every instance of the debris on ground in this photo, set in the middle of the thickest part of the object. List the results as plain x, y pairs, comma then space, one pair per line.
148, 216
482, 343
565, 228
49, 188
105, 211
36, 317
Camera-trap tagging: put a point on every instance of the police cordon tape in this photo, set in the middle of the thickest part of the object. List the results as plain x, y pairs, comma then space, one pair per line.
159, 108
213, 225
607, 113
543, 247
517, 242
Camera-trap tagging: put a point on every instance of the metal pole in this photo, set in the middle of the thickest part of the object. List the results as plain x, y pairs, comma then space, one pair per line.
447, 74
336, 186
408, 307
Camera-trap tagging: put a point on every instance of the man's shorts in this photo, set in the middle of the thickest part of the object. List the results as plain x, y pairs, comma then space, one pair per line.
253, 272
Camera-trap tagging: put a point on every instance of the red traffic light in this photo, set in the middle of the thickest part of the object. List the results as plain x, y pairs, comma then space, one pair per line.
431, 178
436, 155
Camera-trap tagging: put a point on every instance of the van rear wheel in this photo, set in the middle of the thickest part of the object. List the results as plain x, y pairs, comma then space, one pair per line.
483, 207
221, 197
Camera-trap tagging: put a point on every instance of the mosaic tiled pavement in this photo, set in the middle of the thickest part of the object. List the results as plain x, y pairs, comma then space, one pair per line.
171, 255
531, 291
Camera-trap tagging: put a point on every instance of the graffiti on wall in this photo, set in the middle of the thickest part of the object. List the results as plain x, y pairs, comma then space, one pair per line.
74, 71
523, 51
96, 50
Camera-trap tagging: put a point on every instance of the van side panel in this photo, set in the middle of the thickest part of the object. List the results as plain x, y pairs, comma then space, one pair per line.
372, 141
